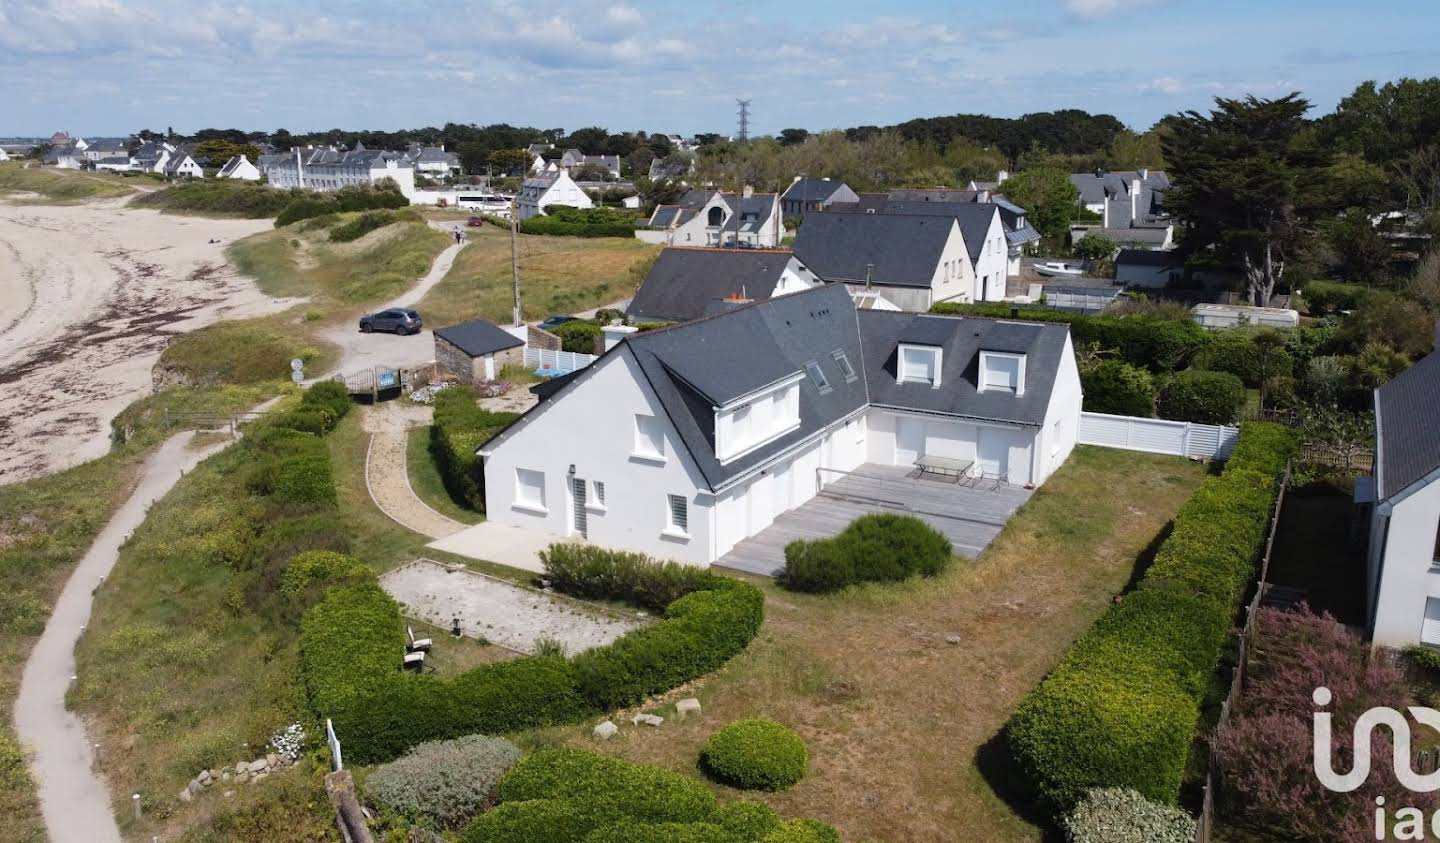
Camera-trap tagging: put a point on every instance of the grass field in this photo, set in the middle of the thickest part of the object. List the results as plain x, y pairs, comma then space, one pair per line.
244, 351
58, 187
903, 727
557, 275
46, 525
426, 481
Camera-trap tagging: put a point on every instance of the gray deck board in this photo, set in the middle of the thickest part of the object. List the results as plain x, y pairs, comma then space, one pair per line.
971, 517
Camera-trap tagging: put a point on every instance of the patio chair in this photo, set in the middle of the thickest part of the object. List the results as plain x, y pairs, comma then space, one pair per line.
415, 662
417, 645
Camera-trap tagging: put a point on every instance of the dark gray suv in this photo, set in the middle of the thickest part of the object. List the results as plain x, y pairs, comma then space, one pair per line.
400, 320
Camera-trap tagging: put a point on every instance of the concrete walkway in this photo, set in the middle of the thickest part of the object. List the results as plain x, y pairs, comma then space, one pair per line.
516, 547
387, 477
73, 798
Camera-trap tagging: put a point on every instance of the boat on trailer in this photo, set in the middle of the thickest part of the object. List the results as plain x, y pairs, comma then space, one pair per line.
1055, 269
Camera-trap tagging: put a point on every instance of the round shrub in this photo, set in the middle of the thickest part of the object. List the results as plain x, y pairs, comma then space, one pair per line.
1199, 396
802, 831
756, 755
817, 565
1114, 386
320, 566
578, 336
305, 479
447, 782
330, 396
631, 831
888, 547
1120, 815
747, 820
635, 791
540, 821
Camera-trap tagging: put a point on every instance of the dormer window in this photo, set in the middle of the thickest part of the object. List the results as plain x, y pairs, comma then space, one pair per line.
919, 364
761, 418
1002, 371
817, 376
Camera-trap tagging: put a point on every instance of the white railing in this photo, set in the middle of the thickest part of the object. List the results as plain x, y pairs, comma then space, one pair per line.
563, 362
335, 760
1158, 436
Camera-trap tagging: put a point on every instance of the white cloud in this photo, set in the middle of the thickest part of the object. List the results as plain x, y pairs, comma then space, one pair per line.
1100, 8
1164, 85
624, 15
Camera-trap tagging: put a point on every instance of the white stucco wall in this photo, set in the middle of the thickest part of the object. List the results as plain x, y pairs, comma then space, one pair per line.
954, 278
1410, 574
954, 438
592, 426
1062, 419
993, 265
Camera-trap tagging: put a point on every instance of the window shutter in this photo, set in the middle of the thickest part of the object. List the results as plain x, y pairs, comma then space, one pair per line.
679, 513
1430, 628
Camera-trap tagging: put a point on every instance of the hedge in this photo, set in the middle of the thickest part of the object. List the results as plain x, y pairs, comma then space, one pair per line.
630, 831
350, 642
1120, 710
1114, 386
1151, 342
1199, 396
1237, 352
1326, 298
637, 791
747, 820
355, 198
1120, 815
880, 547
756, 755
461, 425
802, 831
586, 570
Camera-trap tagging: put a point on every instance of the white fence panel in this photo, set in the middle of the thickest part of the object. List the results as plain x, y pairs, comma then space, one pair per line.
563, 362
1157, 436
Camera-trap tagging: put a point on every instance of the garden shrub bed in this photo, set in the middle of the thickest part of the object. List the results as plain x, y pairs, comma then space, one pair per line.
756, 755
351, 639
1121, 708
880, 547
461, 425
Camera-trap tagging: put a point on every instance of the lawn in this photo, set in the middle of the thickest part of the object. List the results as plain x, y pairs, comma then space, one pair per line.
244, 351
59, 187
557, 275
426, 481
903, 726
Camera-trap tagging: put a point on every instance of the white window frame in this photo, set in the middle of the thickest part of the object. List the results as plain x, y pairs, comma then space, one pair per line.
1430, 622
986, 357
936, 355
522, 501
677, 528
817, 375
650, 448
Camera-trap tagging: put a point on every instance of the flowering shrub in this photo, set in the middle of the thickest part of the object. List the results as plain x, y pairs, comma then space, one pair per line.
447, 782
1120, 815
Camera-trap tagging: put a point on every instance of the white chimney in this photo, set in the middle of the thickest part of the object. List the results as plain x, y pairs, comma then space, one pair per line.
1144, 174
1134, 200
1001, 176
984, 196
748, 191
615, 334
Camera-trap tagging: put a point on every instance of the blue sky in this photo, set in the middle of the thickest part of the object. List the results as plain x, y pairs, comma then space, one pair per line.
102, 67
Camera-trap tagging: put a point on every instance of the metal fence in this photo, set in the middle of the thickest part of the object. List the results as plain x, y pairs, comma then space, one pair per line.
1158, 436
560, 362
1205, 823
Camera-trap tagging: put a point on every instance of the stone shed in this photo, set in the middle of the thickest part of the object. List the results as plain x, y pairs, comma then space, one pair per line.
477, 350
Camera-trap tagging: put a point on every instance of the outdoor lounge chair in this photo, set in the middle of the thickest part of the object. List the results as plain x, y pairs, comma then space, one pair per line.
417, 645
415, 661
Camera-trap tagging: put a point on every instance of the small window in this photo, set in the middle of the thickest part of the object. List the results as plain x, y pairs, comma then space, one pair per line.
920, 365
530, 488
649, 439
843, 361
678, 513
817, 376
600, 492
1430, 627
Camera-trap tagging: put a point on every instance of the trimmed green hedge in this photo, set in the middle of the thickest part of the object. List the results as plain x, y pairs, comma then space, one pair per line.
802, 831
1114, 386
1199, 396
880, 547
756, 755
587, 570
630, 831
462, 425
747, 820
638, 791
1120, 710
351, 641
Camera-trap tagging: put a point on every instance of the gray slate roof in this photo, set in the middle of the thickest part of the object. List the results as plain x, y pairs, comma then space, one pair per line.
905, 250
685, 283
812, 190
1407, 443
974, 219
478, 337
1148, 257
961, 340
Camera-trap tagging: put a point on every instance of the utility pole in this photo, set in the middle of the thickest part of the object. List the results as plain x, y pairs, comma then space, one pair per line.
744, 133
515, 258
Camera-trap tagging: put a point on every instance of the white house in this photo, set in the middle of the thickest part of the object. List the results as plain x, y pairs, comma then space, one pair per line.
680, 442
913, 260
1403, 570
715, 218
239, 167
4, 156
690, 283
181, 165
539, 192
327, 169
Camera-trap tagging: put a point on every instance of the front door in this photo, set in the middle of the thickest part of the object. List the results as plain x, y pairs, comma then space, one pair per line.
581, 523
909, 440
993, 451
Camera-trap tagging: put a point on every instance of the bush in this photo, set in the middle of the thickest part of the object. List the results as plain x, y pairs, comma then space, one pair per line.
1114, 386
354, 229
1423, 658
1237, 351
304, 479
802, 831
1150, 342
357, 198
587, 570
540, 821
461, 425
1120, 815
564, 221
320, 567
329, 397
313, 421
630, 831
1198, 396
447, 782
746, 820
880, 547
756, 755
635, 791
578, 336
1327, 298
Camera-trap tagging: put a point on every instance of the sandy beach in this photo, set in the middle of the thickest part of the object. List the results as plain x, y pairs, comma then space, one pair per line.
89, 296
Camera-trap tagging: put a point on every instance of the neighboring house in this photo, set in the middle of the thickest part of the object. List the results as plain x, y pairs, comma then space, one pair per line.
806, 195
539, 192
715, 218
1403, 570
671, 168
539, 148
151, 156
118, 164
914, 261
699, 435
324, 168
476, 351
181, 165
1019, 233
574, 159
67, 157
689, 283
239, 167
1148, 268
4, 156
1152, 237
1144, 188
105, 148
433, 162
983, 228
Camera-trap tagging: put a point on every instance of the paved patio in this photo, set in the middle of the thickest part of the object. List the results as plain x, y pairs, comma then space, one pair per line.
516, 547
971, 516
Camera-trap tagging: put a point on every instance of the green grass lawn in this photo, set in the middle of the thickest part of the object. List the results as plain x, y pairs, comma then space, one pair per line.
557, 275
245, 351
426, 481
902, 725
59, 187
